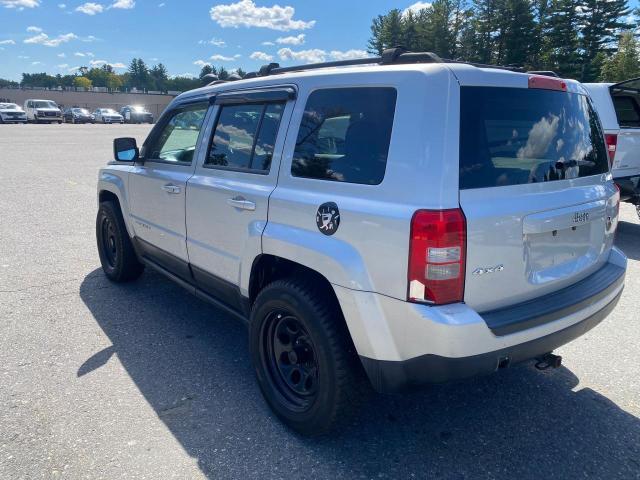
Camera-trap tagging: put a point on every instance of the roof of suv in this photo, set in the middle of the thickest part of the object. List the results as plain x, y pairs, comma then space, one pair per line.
465, 74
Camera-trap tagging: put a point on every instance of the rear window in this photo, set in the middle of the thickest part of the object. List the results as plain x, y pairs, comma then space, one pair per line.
513, 136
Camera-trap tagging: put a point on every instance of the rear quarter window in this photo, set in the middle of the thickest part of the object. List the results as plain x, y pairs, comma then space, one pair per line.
344, 135
512, 136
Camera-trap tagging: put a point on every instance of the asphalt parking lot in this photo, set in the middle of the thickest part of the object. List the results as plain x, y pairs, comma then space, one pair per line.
99, 380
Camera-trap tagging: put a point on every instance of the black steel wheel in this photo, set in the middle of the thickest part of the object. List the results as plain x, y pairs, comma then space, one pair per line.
108, 239
305, 362
290, 358
117, 255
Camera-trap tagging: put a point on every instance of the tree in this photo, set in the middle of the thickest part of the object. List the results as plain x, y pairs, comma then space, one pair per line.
82, 82
625, 63
223, 74
387, 31
560, 47
600, 23
206, 70
517, 37
138, 74
241, 72
159, 76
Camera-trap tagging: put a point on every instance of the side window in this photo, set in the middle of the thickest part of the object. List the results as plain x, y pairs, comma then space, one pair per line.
177, 140
627, 111
245, 136
344, 135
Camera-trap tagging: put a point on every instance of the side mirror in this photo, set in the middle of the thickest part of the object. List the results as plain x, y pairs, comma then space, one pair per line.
125, 150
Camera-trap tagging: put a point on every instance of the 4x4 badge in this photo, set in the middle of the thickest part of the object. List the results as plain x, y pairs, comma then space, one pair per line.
328, 218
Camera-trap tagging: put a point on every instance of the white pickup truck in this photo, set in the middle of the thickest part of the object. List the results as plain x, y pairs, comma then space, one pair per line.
618, 105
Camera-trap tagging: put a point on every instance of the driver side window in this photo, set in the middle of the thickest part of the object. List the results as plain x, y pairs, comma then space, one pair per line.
179, 136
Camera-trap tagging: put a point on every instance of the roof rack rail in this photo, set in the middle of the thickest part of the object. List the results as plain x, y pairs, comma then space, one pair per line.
391, 56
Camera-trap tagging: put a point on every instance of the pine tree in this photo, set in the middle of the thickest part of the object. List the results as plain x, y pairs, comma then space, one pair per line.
561, 38
625, 63
600, 22
518, 33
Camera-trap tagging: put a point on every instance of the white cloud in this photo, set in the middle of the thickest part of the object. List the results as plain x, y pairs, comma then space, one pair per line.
43, 39
160, 5
89, 39
201, 63
348, 55
62, 55
261, 56
22, 57
268, 44
100, 63
73, 69
293, 40
222, 58
36, 63
123, 4
62, 5
416, 7
214, 41
7, 42
20, 4
34, 29
314, 55
63, 65
79, 54
90, 8
245, 13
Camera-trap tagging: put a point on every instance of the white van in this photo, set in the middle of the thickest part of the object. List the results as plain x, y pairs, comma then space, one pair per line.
618, 105
42, 111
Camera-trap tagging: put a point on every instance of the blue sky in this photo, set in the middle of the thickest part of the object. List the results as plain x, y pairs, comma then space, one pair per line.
57, 36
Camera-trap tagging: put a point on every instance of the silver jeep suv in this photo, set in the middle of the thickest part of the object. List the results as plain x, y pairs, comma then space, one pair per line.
402, 219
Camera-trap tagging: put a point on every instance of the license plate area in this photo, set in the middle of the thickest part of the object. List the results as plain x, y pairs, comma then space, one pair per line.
561, 243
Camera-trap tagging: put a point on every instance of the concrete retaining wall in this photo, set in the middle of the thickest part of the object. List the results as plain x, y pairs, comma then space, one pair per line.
90, 100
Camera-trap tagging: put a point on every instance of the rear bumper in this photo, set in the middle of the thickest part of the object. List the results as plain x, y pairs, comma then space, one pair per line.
389, 376
403, 344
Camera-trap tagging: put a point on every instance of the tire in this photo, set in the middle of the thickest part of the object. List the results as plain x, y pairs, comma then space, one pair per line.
320, 383
59, 122
117, 256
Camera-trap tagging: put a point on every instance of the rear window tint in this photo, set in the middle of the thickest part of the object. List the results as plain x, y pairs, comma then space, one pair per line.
512, 136
344, 135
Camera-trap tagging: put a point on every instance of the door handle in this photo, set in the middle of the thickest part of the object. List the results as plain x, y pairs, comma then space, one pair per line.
170, 188
242, 203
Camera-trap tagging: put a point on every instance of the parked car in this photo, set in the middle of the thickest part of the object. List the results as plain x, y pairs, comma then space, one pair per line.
78, 115
40, 111
136, 114
413, 221
618, 105
12, 113
107, 115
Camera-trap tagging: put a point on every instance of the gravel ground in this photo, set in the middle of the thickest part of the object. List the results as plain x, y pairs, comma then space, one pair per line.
145, 381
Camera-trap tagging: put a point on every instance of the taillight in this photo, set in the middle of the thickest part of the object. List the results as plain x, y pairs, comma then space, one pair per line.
547, 83
437, 256
611, 140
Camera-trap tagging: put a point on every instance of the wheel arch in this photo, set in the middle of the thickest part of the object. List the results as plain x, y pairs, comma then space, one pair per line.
111, 187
